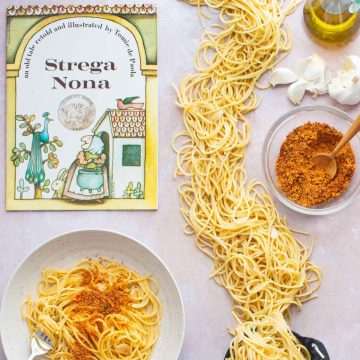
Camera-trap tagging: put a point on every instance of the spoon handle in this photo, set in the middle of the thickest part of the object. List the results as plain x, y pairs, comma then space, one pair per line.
354, 128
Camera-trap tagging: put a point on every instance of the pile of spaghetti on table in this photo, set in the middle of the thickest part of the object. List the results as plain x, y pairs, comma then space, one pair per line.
263, 264
97, 310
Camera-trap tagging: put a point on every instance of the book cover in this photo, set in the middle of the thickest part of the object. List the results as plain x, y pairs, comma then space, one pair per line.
81, 107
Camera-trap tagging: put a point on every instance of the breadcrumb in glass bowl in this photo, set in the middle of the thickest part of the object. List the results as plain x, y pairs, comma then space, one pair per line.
276, 137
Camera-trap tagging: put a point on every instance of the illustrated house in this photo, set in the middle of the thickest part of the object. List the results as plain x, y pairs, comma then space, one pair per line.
123, 132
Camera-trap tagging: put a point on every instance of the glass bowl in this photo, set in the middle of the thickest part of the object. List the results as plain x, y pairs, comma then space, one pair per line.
276, 136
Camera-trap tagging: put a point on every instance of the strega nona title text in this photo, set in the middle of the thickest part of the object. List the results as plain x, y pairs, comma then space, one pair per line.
94, 67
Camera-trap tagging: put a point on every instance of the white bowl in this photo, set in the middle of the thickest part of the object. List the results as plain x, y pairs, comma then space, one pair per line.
63, 252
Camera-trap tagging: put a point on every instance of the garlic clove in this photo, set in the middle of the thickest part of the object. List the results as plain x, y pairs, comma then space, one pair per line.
352, 62
321, 86
320, 89
311, 68
218, 115
124, 349
296, 91
315, 68
274, 233
311, 87
301, 65
282, 76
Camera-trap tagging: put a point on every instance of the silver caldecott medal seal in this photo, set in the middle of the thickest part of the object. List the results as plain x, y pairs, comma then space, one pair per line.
77, 112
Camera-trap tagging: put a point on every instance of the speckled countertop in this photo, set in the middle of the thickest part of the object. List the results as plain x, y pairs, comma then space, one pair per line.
334, 317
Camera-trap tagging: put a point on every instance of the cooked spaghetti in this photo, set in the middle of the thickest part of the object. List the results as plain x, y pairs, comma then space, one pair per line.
97, 310
262, 263
267, 337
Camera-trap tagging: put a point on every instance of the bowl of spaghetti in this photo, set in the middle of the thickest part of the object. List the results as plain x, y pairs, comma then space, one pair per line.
291, 142
96, 295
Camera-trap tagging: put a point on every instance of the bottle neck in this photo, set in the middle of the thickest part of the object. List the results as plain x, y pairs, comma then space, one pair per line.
335, 7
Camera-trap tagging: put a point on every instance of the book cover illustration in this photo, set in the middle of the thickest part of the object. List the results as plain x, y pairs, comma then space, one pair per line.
81, 107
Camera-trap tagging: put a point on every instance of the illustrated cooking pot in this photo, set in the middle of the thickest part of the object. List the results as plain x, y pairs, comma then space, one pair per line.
90, 179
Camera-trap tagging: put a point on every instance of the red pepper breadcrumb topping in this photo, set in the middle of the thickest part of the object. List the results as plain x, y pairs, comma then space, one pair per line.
95, 302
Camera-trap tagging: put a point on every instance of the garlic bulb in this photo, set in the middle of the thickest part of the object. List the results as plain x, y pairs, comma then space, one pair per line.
282, 76
352, 62
345, 88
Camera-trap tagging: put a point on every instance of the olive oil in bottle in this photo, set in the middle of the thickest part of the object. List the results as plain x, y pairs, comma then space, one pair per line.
332, 20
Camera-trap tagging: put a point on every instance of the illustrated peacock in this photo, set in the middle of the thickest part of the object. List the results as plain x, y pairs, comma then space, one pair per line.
35, 173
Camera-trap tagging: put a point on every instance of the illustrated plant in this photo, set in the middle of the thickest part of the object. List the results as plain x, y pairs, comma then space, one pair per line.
128, 191
41, 144
138, 193
21, 188
45, 187
133, 193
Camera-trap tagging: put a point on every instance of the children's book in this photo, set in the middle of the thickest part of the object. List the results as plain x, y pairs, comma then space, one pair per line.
81, 107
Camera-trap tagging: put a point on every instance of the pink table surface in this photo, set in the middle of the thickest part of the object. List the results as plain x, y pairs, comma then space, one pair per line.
334, 317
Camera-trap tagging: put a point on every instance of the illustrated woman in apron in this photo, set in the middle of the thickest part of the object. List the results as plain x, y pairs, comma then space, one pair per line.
88, 177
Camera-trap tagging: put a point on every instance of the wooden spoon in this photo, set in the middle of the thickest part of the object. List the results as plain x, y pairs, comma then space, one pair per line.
327, 161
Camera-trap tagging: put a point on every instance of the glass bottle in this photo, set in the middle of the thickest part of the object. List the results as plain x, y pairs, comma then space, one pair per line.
332, 20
